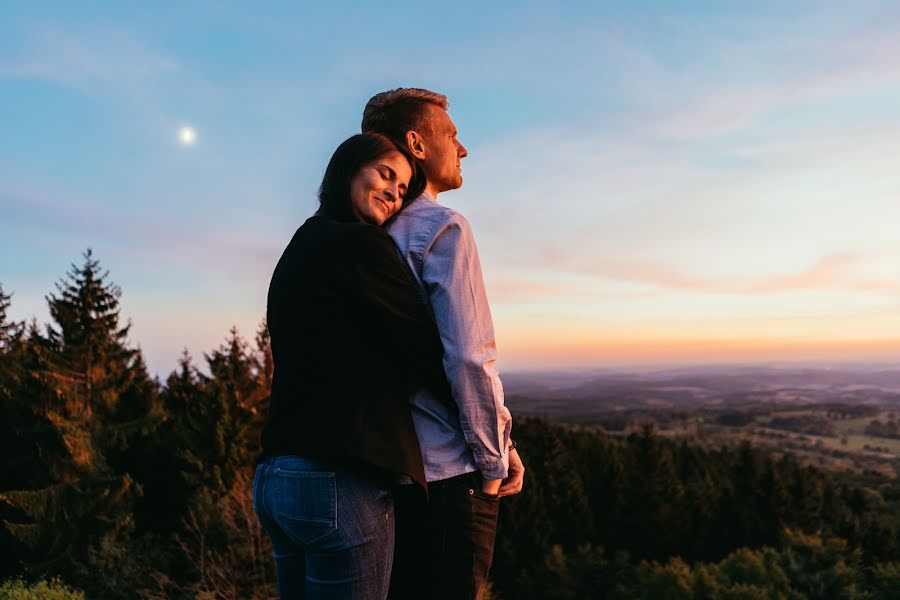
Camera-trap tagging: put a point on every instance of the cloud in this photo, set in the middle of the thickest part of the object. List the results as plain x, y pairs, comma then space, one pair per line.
101, 57
811, 70
229, 253
807, 207
829, 273
509, 288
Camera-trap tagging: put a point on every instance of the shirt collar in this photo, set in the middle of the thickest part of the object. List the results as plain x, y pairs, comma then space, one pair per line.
426, 196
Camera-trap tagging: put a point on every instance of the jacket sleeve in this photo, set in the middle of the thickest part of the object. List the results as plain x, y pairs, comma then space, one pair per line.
455, 287
393, 307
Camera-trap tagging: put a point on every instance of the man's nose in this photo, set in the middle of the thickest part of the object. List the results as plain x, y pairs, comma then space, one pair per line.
461, 150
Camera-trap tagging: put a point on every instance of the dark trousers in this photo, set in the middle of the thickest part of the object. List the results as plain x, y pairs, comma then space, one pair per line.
444, 545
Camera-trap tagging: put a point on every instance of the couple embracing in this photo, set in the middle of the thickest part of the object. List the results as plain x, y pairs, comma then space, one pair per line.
387, 446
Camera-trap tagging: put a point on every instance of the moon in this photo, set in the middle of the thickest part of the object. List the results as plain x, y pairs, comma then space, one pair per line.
187, 136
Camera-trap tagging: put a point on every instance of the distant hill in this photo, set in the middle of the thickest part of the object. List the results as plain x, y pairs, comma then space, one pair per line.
559, 393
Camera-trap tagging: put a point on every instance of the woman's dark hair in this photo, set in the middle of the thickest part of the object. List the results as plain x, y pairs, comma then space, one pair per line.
345, 163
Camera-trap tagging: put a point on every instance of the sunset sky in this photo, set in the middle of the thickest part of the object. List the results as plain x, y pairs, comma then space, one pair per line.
648, 182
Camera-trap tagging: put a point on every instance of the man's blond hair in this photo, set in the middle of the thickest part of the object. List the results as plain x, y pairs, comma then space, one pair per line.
395, 112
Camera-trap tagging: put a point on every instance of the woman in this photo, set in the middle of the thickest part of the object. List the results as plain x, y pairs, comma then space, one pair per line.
348, 331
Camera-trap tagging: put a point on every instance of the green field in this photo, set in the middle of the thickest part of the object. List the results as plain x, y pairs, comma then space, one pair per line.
844, 451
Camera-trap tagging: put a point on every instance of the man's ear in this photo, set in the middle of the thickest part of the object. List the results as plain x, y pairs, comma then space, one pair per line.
415, 144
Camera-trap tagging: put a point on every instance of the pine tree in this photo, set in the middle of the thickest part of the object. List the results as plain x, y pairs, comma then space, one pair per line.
83, 398
245, 373
10, 343
91, 355
655, 495
8, 331
265, 361
214, 427
182, 386
264, 367
170, 486
18, 453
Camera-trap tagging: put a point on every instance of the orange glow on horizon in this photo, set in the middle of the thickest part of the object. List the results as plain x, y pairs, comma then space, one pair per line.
628, 351
540, 341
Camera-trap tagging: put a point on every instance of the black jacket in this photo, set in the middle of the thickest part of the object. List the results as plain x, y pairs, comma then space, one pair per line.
348, 329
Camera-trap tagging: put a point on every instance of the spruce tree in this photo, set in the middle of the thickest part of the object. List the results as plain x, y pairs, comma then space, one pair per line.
182, 386
170, 486
10, 344
265, 361
91, 354
84, 396
214, 423
17, 452
8, 331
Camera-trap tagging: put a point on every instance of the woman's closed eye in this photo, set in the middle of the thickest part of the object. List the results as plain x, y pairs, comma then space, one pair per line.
387, 173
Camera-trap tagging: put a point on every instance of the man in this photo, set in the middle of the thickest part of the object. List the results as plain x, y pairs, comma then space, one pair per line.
445, 543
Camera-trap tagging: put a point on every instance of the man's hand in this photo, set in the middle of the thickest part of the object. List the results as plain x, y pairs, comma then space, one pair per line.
490, 486
513, 482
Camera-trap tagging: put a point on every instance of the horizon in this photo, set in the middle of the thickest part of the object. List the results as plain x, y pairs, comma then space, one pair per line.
648, 185
677, 356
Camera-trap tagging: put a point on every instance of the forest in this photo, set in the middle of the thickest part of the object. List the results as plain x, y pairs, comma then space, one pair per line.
117, 485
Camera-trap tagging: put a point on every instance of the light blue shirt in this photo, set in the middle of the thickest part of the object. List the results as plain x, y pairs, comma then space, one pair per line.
437, 244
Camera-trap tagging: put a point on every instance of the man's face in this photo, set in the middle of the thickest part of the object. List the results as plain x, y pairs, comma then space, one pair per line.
443, 152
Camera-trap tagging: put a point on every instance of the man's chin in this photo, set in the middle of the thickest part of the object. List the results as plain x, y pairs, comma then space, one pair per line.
451, 184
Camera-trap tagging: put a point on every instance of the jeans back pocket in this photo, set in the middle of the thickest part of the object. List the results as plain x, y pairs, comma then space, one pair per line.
305, 504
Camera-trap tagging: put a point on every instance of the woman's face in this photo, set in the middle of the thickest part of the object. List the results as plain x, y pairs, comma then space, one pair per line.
378, 187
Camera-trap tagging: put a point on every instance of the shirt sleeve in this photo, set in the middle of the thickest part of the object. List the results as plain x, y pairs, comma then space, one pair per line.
454, 283
394, 309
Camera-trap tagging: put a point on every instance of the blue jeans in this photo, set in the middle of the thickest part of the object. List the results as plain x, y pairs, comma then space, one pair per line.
331, 526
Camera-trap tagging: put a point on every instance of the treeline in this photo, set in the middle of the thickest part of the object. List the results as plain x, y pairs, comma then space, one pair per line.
125, 487
122, 486
807, 424
647, 517
891, 429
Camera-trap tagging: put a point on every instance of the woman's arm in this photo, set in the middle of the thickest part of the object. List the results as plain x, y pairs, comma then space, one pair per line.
393, 307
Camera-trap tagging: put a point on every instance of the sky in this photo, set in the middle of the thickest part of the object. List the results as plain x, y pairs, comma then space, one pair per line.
648, 182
